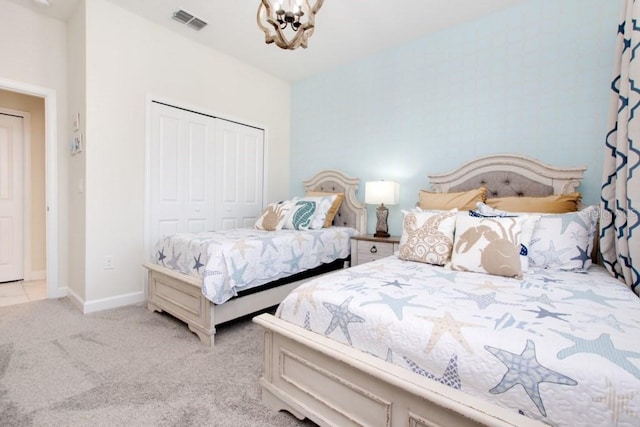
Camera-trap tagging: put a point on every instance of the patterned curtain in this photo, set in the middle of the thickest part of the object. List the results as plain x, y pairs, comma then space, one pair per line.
620, 200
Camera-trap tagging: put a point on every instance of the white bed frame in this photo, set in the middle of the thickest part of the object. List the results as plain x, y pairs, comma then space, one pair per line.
181, 295
314, 377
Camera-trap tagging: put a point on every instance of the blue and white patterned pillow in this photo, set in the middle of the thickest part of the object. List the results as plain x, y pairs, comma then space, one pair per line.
564, 241
309, 213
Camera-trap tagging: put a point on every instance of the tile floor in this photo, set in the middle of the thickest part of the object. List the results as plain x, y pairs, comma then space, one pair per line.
20, 292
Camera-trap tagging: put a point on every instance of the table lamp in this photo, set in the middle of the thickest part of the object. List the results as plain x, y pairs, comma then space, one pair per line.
383, 192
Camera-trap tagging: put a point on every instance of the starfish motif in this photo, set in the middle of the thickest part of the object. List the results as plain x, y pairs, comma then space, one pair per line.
395, 304
609, 320
483, 301
237, 274
305, 293
197, 264
551, 255
175, 259
161, 256
450, 376
601, 346
294, 260
507, 320
450, 325
317, 238
524, 369
617, 403
354, 273
341, 317
591, 296
542, 299
267, 241
396, 284
446, 274
542, 313
490, 286
583, 256
241, 245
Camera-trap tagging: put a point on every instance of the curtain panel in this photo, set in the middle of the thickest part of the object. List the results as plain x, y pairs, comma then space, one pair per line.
620, 197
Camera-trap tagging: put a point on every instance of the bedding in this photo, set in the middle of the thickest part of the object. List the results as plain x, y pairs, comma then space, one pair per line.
562, 347
235, 260
412, 343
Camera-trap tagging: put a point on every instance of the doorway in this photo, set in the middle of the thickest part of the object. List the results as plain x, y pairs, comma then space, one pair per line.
49, 272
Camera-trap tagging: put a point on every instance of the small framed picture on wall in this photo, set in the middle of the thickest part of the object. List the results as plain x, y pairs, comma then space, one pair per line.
77, 143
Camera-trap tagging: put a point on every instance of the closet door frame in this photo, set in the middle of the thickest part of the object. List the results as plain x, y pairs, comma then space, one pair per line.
151, 98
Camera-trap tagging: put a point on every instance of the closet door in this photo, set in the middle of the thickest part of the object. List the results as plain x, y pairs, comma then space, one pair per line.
239, 175
181, 172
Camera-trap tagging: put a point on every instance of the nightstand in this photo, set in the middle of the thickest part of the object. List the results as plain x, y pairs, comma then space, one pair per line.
368, 248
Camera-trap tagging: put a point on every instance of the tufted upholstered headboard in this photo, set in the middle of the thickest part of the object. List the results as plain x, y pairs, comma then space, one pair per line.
509, 175
352, 212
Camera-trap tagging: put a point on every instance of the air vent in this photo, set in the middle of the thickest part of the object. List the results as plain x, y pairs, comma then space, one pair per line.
197, 24
188, 19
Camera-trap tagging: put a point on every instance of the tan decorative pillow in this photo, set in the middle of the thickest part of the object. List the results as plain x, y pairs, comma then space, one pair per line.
560, 203
464, 201
333, 210
427, 236
488, 245
274, 216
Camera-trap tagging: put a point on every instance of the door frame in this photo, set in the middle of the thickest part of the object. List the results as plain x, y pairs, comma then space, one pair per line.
26, 189
51, 176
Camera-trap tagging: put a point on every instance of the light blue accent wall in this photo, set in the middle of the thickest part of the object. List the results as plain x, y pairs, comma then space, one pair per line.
531, 79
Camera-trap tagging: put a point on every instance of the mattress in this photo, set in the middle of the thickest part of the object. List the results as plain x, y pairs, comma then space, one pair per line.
235, 260
558, 346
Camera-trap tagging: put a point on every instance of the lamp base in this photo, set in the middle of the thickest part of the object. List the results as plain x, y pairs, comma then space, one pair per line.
382, 229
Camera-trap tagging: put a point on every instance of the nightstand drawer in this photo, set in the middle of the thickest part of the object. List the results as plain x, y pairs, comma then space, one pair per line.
374, 250
367, 248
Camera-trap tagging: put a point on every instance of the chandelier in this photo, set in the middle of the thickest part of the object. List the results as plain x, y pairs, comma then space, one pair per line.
297, 21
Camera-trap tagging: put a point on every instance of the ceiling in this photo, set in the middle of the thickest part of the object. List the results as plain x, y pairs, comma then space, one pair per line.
345, 29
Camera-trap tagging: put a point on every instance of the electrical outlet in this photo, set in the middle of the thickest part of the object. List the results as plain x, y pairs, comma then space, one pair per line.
108, 262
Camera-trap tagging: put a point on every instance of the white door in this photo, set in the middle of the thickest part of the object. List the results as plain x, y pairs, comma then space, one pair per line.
240, 168
181, 172
11, 198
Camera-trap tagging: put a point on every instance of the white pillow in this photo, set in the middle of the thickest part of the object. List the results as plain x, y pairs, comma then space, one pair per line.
488, 245
274, 216
427, 236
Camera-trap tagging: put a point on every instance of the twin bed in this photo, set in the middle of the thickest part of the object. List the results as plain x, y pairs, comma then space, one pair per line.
210, 278
543, 338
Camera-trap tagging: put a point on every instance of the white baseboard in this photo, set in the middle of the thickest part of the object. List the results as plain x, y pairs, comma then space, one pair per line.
113, 302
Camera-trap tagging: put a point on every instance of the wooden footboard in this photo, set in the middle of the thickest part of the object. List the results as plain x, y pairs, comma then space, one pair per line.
333, 384
181, 296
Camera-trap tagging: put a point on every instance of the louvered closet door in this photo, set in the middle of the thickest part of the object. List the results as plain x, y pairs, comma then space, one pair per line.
240, 169
181, 172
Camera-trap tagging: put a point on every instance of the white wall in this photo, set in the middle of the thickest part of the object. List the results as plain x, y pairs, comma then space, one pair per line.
34, 54
76, 69
129, 59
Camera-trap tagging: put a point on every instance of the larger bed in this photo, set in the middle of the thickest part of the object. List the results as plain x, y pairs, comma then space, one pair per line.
397, 342
210, 278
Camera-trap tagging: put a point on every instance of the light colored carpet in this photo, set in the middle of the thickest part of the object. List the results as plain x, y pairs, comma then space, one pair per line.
127, 367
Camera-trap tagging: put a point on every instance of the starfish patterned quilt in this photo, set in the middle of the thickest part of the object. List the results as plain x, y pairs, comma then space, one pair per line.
234, 260
561, 347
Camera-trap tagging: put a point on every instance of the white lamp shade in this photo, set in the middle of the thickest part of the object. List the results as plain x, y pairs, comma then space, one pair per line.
377, 192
